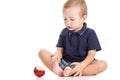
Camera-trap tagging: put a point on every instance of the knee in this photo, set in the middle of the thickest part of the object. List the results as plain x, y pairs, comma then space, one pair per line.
103, 65
41, 52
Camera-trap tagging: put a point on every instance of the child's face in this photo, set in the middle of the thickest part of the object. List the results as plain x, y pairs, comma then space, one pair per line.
73, 19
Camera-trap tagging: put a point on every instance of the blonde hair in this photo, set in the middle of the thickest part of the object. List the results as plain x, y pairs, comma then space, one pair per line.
79, 3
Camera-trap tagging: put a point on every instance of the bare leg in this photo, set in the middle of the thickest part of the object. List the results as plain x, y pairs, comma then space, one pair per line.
94, 68
45, 57
56, 69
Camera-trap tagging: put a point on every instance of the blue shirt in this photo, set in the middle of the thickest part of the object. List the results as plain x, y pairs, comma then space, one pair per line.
77, 44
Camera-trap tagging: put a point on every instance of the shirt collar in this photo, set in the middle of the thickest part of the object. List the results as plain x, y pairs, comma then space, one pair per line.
81, 31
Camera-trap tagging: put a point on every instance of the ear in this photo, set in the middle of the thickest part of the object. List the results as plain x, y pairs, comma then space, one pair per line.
84, 17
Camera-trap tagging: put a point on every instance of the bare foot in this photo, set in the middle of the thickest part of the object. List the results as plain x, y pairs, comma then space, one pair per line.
56, 69
66, 71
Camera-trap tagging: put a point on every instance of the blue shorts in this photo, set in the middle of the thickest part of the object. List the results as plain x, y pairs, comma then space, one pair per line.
64, 64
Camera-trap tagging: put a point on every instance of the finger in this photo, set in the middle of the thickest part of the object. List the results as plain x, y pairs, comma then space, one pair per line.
80, 74
76, 74
59, 60
54, 58
73, 71
73, 63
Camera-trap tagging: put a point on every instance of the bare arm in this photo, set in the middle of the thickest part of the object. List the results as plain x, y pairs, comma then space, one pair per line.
80, 66
58, 55
89, 58
59, 52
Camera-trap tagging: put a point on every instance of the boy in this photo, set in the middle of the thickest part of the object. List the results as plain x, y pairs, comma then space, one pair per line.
77, 45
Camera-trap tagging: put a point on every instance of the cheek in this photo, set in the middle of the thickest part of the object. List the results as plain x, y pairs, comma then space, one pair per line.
64, 22
75, 23
79, 22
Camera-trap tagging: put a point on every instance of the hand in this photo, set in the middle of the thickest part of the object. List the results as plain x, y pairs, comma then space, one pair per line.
56, 58
77, 70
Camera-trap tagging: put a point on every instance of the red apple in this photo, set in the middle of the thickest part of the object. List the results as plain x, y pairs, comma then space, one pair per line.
38, 71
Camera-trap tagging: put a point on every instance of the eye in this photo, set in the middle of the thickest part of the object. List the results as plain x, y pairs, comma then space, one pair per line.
72, 19
65, 19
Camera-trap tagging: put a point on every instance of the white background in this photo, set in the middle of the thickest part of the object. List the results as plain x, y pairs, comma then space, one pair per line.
26, 26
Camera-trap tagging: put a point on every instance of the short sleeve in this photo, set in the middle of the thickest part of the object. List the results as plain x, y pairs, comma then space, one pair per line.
61, 39
93, 42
